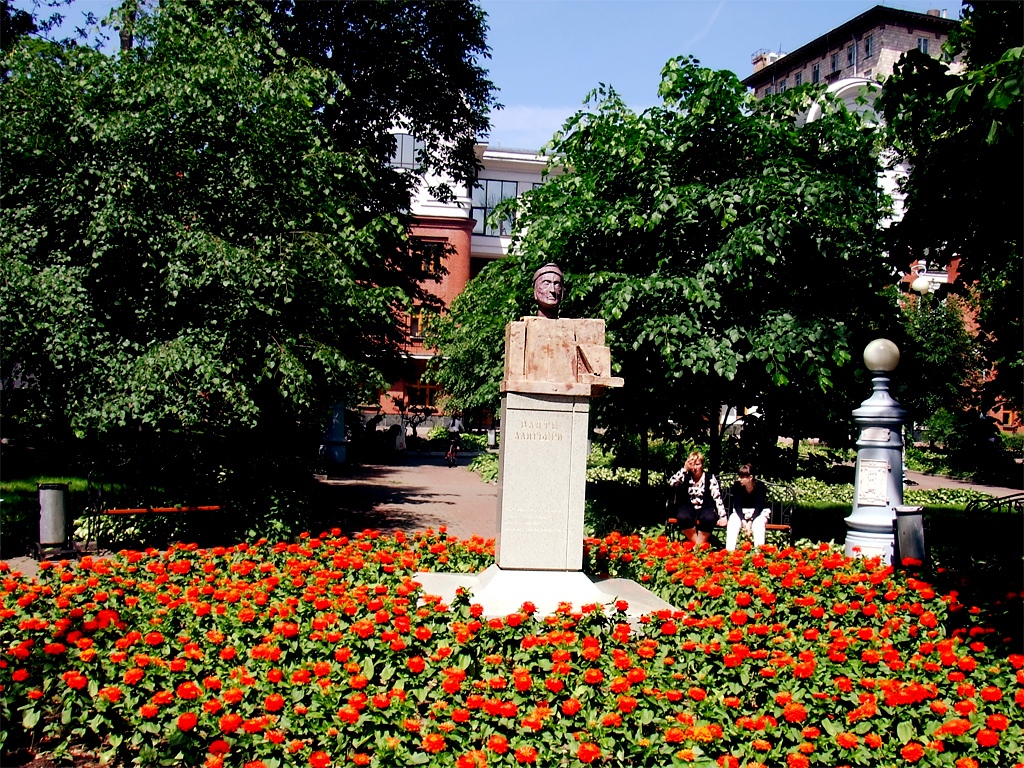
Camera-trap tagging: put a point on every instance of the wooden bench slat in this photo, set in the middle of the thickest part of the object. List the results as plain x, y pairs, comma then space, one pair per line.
158, 510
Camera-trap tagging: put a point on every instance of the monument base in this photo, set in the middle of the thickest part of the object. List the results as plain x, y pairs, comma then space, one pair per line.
865, 544
501, 592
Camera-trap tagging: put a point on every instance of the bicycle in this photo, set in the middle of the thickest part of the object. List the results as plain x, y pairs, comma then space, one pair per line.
453, 451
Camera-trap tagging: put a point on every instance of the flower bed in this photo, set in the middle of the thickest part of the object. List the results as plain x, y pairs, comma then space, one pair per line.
322, 653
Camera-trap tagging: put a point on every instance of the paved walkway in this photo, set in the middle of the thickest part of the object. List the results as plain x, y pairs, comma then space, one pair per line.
424, 493
928, 482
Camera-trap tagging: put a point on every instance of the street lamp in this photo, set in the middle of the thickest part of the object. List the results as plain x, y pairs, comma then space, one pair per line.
878, 485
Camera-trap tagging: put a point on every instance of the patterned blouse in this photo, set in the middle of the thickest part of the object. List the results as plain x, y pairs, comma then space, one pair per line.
696, 489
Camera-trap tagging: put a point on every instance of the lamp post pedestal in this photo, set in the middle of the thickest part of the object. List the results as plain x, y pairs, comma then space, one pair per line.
878, 485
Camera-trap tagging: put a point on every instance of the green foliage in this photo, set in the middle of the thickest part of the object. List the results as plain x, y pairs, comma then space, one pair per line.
438, 432
960, 131
203, 233
183, 243
470, 337
1014, 442
485, 465
939, 369
414, 65
694, 230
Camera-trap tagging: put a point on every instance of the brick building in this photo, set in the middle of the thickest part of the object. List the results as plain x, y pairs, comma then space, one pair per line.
462, 228
867, 46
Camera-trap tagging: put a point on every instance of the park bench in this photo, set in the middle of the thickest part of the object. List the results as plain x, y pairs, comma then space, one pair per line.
781, 499
119, 495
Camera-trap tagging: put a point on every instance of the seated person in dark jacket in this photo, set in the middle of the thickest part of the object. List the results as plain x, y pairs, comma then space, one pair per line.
749, 509
700, 500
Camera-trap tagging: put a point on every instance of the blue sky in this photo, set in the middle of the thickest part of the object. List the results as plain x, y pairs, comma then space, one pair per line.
546, 55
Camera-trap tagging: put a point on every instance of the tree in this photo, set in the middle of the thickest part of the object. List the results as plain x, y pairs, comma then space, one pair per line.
959, 127
184, 245
409, 64
732, 253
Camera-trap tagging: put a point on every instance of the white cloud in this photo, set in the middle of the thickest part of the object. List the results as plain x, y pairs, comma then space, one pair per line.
525, 127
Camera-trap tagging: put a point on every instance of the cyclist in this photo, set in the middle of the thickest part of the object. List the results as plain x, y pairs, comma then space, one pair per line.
454, 428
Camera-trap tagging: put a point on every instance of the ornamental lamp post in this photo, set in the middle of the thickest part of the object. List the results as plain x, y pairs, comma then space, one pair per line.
878, 485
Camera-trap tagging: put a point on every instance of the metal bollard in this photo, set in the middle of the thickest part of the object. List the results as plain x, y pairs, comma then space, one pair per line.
492, 440
908, 534
52, 531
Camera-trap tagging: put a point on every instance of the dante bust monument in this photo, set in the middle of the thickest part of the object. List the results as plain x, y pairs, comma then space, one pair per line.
546, 354
548, 287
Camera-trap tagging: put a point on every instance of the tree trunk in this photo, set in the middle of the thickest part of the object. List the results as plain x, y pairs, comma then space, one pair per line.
127, 31
644, 457
714, 439
796, 454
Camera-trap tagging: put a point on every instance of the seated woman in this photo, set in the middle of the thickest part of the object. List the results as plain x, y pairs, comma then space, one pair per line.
700, 501
748, 509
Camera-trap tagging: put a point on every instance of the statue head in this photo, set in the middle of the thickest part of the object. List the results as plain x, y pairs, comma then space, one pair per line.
548, 288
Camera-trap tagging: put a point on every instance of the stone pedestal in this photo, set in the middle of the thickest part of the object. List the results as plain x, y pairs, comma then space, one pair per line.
542, 481
500, 592
552, 369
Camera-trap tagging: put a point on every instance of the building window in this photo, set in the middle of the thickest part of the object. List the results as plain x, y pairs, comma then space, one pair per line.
768, 91
851, 55
799, 79
424, 395
782, 86
487, 194
869, 46
419, 321
407, 147
835, 62
816, 73
922, 45
433, 257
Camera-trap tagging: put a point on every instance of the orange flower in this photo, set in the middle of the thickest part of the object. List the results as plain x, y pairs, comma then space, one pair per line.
526, 755
433, 742
588, 752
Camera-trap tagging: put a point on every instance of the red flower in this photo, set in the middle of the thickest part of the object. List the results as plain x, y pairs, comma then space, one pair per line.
794, 712
991, 693
526, 755
697, 694
797, 761
273, 702
433, 742
498, 744
847, 740
873, 740
230, 722
593, 676
571, 706
588, 752
987, 738
189, 691
186, 721
912, 752
319, 760
998, 722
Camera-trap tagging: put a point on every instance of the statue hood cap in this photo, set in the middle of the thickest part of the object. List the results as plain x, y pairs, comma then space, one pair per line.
549, 267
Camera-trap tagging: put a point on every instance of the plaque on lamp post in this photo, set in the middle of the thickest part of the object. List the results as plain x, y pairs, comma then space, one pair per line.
878, 485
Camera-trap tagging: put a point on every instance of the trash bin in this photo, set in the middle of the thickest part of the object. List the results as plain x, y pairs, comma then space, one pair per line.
52, 501
908, 535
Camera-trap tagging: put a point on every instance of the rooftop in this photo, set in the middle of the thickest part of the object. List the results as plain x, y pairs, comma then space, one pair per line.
880, 14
